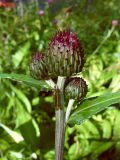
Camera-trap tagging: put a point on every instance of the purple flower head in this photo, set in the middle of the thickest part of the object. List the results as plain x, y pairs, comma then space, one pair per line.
49, 1
66, 38
41, 12
114, 23
37, 56
65, 54
37, 66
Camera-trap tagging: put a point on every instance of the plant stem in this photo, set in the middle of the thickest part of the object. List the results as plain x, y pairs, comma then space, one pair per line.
59, 134
59, 113
104, 40
20, 8
68, 111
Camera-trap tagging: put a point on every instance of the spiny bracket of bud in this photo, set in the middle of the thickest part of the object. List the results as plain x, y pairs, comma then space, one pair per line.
75, 88
37, 66
65, 55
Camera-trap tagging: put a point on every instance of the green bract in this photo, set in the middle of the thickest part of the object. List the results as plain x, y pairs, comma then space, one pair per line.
76, 88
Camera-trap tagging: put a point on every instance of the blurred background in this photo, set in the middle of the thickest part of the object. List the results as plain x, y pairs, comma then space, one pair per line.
27, 113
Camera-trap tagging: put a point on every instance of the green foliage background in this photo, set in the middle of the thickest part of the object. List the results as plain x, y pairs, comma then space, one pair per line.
26, 116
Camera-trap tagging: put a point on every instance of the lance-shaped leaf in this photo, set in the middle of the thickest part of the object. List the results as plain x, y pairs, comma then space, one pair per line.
15, 136
41, 84
92, 106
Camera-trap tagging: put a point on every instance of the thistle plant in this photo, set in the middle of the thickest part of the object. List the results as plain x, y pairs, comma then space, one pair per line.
63, 59
57, 70
22, 122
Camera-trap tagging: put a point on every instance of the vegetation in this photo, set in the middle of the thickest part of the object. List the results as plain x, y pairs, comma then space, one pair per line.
26, 105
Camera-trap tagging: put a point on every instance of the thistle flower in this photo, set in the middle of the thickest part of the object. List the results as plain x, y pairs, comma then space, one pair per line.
50, 1
76, 88
41, 12
65, 55
38, 67
114, 23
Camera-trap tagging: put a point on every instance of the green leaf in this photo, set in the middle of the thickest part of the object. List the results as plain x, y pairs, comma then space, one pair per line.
116, 127
22, 115
90, 107
4, 144
106, 128
74, 151
27, 126
20, 54
42, 85
15, 136
91, 129
17, 155
23, 98
98, 148
115, 84
106, 76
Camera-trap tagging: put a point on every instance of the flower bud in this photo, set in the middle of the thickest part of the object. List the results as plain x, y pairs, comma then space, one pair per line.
41, 12
50, 1
65, 55
38, 67
114, 23
75, 88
